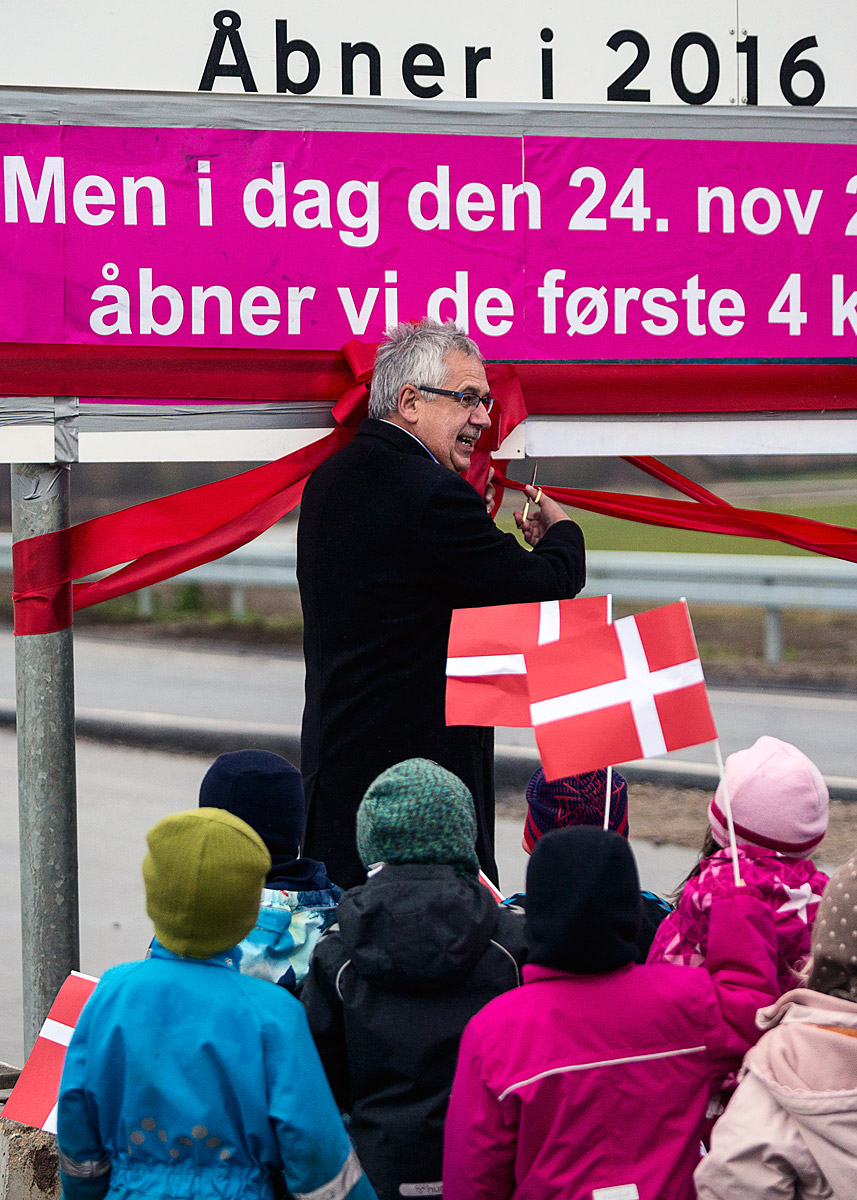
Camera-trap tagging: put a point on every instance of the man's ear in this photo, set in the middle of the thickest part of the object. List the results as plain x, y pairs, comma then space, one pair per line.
407, 407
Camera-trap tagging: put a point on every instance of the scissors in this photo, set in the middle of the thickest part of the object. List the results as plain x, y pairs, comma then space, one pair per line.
538, 497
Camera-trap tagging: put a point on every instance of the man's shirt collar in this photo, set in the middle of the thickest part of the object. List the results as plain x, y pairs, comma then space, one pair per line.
411, 435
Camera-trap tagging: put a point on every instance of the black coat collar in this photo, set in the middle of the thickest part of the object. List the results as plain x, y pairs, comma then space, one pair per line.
403, 441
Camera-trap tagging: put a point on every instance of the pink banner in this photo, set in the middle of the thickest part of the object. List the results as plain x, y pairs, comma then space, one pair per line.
559, 249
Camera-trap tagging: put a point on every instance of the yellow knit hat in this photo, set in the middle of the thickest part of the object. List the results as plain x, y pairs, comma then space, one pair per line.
204, 875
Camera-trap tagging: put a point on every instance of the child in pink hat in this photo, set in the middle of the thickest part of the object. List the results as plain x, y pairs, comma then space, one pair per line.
780, 808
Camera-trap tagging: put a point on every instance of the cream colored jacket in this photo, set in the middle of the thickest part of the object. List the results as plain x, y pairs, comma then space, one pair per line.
790, 1130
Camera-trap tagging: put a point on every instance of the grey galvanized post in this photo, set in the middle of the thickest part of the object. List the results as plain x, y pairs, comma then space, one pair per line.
237, 603
47, 792
773, 634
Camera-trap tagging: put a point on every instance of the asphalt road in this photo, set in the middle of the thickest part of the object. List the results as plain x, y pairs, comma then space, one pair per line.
159, 678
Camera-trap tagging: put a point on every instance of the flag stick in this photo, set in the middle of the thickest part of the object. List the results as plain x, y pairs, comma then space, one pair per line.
730, 824
609, 769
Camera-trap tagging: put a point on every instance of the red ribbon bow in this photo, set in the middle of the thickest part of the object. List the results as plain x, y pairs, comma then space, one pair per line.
162, 538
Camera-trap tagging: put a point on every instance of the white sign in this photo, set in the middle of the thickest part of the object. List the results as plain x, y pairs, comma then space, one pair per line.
674, 52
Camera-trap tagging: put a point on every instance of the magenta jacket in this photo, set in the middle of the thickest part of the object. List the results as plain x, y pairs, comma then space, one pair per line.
791, 887
580, 1086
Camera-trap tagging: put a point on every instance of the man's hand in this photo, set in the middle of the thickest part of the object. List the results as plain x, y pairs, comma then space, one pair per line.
489, 492
540, 517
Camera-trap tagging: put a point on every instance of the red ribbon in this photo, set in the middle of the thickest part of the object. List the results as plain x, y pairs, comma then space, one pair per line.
162, 538
665, 474
711, 516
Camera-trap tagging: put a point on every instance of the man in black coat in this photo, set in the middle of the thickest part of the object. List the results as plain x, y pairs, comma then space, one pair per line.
391, 539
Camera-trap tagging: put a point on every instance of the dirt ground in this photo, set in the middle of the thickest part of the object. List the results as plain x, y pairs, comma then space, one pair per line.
678, 816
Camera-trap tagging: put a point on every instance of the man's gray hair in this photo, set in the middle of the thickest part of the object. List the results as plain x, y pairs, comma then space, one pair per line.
414, 354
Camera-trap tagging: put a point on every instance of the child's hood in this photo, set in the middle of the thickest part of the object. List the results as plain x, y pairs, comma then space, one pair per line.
808, 1057
415, 927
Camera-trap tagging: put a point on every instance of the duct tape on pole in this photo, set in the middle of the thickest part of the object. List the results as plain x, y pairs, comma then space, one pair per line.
47, 790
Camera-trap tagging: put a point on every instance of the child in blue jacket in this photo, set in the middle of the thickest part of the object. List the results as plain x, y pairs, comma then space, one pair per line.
186, 1080
298, 901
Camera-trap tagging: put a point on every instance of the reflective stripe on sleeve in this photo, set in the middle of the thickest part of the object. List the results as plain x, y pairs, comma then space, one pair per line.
341, 1184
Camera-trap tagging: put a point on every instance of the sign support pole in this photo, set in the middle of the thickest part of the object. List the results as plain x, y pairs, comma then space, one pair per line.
47, 791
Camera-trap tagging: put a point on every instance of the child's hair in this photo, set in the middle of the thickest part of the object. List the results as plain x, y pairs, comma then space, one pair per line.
709, 846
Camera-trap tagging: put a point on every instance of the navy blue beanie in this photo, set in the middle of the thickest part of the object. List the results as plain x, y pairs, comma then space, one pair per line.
262, 789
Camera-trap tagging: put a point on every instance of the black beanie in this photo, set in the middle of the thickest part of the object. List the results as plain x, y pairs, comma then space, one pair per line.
262, 789
583, 901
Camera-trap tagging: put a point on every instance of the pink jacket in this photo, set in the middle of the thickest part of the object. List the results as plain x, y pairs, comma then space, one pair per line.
577, 1086
791, 1127
791, 887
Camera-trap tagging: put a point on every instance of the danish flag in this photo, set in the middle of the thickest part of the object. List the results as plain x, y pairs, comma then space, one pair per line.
633, 689
34, 1097
486, 675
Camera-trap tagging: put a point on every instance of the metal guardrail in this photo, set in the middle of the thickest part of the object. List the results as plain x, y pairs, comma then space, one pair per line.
771, 582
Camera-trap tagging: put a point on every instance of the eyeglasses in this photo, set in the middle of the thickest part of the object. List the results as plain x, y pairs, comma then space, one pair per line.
468, 400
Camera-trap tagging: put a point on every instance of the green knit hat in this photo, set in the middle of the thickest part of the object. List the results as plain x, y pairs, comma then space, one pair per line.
204, 875
418, 812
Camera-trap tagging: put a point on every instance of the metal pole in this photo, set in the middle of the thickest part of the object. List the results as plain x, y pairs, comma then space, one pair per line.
145, 608
47, 793
237, 603
773, 635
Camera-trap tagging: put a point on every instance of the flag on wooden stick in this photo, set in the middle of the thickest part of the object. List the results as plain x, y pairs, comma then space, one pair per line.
486, 680
34, 1097
633, 689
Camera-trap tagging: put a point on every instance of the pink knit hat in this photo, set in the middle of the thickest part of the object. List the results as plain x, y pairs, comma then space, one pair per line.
779, 799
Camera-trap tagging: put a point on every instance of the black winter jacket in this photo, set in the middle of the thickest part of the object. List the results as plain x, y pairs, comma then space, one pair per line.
416, 952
